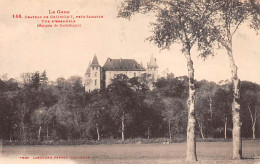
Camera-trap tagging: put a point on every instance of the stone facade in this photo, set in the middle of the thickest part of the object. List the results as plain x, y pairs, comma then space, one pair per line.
97, 77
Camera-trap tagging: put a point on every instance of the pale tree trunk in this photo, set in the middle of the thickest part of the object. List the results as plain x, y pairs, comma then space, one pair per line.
253, 129
98, 134
10, 138
23, 131
225, 128
210, 108
236, 133
170, 133
191, 141
47, 133
201, 129
253, 119
123, 126
39, 133
148, 133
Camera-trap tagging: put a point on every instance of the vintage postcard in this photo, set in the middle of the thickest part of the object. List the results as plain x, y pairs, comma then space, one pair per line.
129, 81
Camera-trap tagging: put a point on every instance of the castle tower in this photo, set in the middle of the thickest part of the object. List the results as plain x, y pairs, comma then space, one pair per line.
87, 78
93, 76
152, 69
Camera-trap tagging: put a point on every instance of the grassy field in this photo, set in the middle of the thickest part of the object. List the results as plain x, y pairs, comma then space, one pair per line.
207, 152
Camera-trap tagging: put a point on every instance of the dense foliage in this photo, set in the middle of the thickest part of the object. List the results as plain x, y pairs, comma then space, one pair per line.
39, 110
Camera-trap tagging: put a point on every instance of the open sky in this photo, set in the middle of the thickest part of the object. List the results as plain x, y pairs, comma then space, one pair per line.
64, 52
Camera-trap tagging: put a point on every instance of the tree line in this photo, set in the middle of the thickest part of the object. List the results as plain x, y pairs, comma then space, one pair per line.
36, 109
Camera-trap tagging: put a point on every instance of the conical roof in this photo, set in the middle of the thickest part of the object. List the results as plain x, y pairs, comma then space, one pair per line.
95, 62
88, 69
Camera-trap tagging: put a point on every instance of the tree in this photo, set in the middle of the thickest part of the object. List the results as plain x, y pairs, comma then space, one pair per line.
44, 78
99, 105
231, 14
222, 107
152, 114
71, 106
42, 118
202, 114
121, 96
173, 112
250, 103
35, 80
126, 97
188, 23
172, 87
8, 118
203, 105
173, 92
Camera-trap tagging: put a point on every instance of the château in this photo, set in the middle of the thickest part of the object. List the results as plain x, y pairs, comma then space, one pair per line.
98, 77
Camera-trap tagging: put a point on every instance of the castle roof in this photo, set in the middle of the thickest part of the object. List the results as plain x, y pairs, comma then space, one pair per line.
95, 62
122, 65
88, 69
152, 63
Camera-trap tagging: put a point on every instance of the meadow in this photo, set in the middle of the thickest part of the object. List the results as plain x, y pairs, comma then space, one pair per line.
207, 152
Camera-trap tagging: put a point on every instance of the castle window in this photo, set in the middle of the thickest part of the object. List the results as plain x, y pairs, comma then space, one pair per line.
95, 82
93, 68
134, 74
96, 68
95, 74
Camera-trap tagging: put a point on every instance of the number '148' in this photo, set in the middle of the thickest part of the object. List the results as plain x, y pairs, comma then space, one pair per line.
17, 16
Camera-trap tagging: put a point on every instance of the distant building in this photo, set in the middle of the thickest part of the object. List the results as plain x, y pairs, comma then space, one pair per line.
97, 77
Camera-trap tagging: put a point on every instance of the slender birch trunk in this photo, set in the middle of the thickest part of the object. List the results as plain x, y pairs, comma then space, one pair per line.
98, 134
170, 133
210, 108
123, 126
47, 133
10, 138
253, 129
191, 141
201, 129
253, 119
39, 133
225, 128
236, 133
148, 133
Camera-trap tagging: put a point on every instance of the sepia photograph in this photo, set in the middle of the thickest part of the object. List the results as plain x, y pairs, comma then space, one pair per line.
130, 82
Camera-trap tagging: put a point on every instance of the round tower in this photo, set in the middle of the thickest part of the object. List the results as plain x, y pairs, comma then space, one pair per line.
93, 75
152, 69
